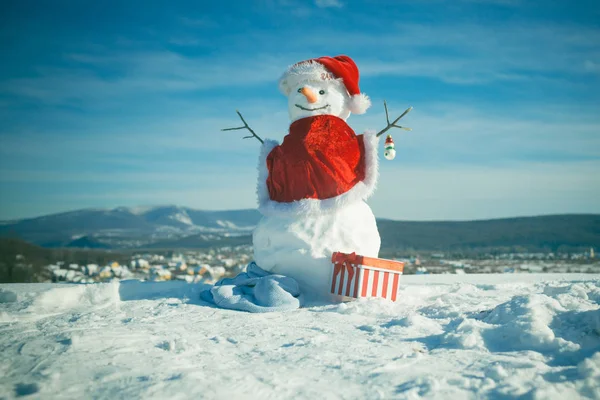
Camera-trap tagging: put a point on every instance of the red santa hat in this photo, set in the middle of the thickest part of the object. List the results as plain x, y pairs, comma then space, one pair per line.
328, 68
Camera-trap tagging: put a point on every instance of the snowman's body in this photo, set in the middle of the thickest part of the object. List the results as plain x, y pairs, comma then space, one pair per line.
300, 246
312, 188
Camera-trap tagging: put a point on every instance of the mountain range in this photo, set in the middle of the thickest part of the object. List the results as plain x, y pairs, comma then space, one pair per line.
129, 227
169, 227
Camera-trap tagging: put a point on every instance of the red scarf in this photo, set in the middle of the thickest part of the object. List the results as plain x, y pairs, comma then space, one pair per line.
320, 158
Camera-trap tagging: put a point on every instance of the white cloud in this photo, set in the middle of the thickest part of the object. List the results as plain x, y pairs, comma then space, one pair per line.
476, 158
591, 66
453, 133
497, 2
214, 198
199, 22
458, 163
404, 192
328, 3
465, 54
470, 53
444, 133
161, 136
422, 193
142, 73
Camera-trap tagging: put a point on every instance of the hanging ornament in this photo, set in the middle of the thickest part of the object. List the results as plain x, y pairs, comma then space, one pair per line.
389, 150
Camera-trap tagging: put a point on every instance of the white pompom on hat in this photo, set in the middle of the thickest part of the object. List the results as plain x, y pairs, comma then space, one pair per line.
328, 68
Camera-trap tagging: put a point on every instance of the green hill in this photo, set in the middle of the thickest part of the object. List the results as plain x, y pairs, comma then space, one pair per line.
544, 233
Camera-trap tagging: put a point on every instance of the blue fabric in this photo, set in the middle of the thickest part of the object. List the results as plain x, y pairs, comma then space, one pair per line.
256, 291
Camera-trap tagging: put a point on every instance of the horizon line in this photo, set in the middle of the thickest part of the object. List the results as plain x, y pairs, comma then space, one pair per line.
151, 207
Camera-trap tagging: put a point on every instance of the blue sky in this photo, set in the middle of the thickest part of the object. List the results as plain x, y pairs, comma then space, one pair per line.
107, 104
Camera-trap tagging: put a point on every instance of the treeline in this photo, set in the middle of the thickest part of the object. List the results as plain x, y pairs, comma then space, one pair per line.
553, 233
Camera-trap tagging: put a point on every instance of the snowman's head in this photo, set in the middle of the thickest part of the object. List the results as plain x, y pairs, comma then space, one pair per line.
312, 98
323, 86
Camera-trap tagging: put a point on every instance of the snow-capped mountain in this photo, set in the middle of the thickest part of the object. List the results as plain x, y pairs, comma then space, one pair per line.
182, 227
138, 225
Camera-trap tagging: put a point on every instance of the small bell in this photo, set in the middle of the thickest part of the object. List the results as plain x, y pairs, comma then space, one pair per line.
389, 151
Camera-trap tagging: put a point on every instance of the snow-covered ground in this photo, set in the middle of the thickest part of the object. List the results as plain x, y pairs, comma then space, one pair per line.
449, 337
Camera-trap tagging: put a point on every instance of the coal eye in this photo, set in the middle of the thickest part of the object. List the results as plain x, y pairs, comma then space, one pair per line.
321, 92
299, 90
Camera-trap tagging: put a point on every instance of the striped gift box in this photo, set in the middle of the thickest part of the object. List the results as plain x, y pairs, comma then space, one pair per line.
358, 276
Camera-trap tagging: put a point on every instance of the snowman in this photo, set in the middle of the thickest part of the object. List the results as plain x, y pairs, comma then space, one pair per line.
312, 188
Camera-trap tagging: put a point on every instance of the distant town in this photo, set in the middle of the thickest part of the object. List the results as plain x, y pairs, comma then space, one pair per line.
213, 264
190, 266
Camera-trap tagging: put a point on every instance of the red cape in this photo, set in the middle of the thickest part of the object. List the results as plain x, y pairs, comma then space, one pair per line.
321, 164
320, 158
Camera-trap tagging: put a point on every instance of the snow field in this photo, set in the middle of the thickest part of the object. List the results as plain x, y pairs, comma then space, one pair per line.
479, 336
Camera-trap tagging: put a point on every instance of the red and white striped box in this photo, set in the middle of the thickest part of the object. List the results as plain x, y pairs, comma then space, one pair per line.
358, 276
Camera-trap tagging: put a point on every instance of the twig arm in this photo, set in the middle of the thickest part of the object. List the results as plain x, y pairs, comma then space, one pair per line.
244, 127
393, 124
387, 117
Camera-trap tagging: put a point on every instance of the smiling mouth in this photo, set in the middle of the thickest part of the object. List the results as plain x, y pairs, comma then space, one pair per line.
311, 109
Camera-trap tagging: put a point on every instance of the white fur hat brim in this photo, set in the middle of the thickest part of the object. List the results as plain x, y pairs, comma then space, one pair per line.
302, 73
308, 71
359, 103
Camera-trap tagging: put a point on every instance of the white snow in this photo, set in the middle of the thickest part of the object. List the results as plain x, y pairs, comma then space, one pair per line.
139, 210
448, 337
182, 216
226, 224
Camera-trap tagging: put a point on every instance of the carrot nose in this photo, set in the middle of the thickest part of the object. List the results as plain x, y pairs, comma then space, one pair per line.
311, 97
